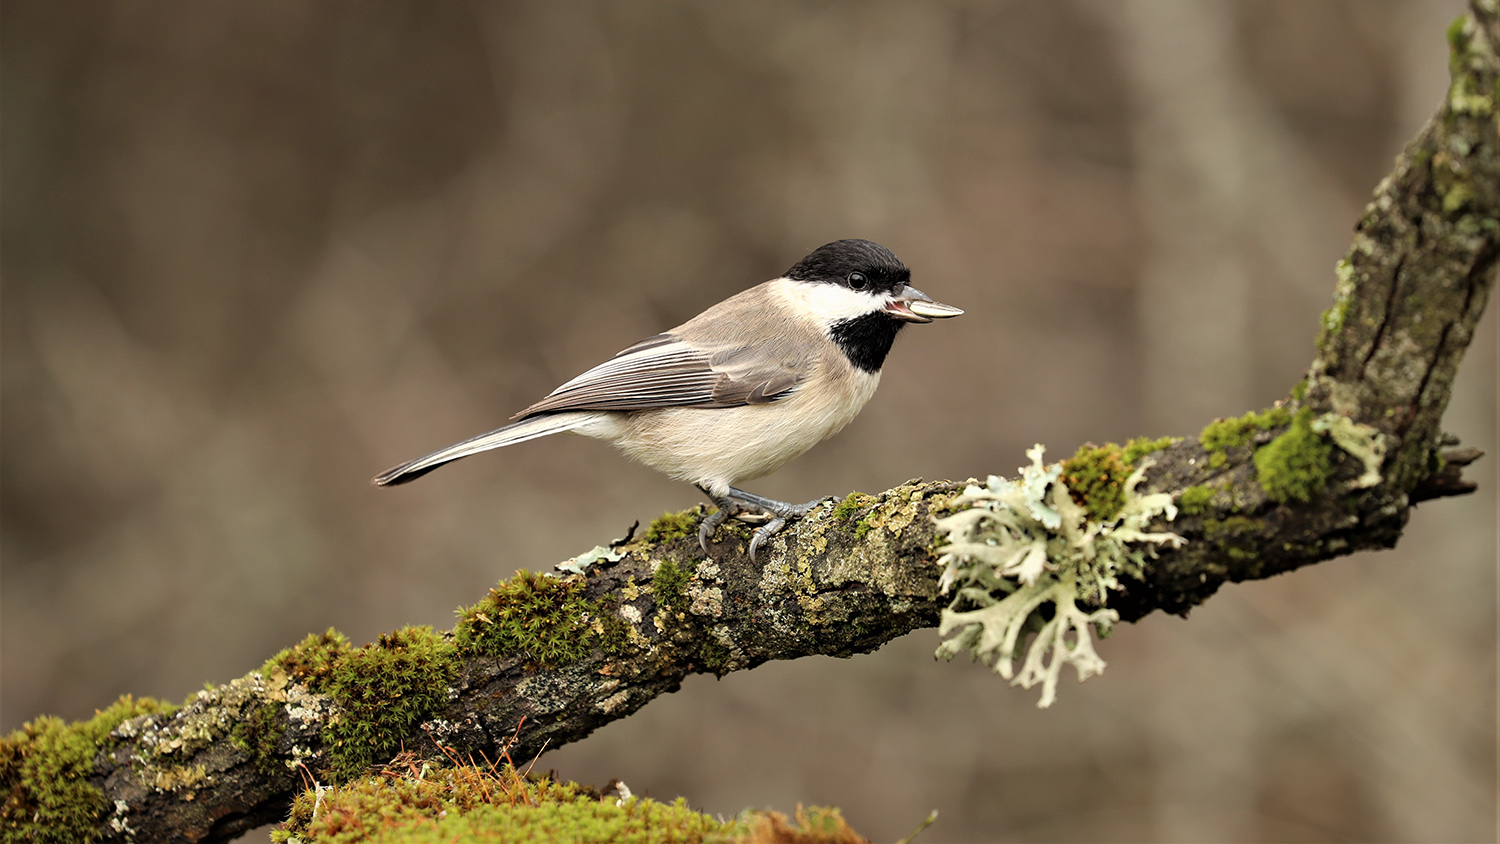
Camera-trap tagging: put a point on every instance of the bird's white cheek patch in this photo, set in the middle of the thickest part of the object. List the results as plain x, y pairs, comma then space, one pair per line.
827, 303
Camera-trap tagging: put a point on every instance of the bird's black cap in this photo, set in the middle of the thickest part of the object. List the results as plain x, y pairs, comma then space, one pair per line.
835, 262
867, 267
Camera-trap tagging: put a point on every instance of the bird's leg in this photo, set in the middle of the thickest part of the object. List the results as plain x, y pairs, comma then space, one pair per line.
739, 504
771, 506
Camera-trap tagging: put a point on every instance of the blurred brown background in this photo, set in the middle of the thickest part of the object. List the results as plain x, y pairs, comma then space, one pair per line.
255, 252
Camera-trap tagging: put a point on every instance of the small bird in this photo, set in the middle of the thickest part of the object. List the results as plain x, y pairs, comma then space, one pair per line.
739, 390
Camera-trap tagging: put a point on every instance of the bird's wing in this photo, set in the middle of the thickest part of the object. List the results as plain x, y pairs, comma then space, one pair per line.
666, 371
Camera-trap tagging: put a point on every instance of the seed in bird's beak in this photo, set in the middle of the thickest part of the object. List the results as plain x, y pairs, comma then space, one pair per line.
916, 306
935, 310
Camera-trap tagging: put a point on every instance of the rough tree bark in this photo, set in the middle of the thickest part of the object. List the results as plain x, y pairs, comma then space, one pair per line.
1408, 297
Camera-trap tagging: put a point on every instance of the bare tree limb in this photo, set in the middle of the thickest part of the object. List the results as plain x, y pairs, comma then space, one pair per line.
1448, 480
847, 579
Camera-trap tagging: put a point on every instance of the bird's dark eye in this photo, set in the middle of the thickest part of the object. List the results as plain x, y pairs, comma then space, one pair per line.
857, 281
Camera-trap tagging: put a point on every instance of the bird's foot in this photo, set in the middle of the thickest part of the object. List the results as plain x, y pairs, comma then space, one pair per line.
712, 521
741, 504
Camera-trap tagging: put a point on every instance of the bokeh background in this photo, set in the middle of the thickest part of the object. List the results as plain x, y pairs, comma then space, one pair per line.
255, 252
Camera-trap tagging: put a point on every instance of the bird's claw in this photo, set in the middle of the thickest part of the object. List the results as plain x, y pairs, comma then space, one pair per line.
710, 523
764, 532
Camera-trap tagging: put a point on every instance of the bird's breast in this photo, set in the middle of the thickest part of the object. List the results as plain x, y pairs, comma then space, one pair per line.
719, 447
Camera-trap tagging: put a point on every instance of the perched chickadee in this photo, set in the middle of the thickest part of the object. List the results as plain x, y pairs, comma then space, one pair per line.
737, 391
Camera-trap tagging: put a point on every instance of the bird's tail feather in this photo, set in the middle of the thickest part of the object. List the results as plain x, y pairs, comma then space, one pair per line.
526, 429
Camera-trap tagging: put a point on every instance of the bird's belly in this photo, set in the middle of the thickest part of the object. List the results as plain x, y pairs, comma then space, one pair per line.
719, 447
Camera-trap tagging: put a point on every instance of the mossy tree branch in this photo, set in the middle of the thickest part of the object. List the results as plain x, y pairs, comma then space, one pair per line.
543, 662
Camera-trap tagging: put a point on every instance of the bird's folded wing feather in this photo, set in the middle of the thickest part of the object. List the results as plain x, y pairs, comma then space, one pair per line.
666, 371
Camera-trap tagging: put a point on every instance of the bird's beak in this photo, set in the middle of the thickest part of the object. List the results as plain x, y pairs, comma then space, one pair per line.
915, 306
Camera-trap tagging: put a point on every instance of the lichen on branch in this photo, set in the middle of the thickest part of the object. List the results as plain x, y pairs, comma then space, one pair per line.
1024, 555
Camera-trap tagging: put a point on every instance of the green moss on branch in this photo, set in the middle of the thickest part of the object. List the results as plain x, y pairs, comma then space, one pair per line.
45, 768
546, 619
1195, 499
384, 690
1295, 466
1225, 434
475, 803
670, 526
669, 587
1095, 475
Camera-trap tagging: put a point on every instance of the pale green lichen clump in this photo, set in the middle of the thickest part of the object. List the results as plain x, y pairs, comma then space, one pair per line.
1361, 441
1024, 544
